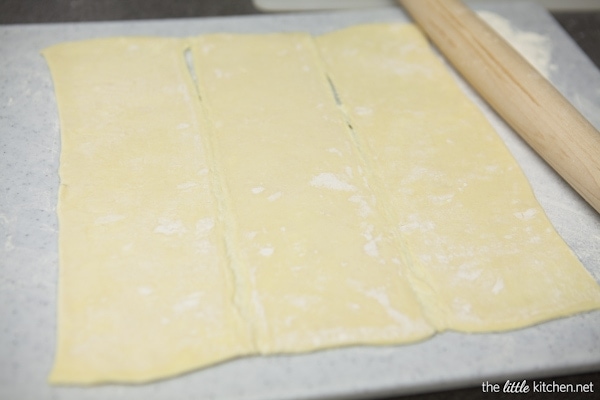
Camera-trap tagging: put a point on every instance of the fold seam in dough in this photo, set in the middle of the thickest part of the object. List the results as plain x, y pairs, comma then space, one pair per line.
414, 273
219, 185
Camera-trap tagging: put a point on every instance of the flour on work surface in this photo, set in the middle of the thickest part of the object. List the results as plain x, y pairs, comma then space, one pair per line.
536, 48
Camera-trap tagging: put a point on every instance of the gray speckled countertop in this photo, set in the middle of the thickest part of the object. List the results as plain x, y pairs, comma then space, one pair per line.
29, 148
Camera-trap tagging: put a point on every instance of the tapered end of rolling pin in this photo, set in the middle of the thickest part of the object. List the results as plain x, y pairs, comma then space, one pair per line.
516, 90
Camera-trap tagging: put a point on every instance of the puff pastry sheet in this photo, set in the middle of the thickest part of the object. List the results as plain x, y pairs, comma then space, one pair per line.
229, 195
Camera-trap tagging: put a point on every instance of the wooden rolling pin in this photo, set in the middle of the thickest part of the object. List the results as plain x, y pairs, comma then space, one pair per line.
520, 94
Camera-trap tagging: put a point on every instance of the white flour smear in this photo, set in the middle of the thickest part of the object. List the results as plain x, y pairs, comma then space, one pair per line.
536, 48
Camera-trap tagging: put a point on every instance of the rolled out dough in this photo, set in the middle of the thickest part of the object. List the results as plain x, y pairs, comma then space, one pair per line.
482, 249
317, 267
144, 291
231, 203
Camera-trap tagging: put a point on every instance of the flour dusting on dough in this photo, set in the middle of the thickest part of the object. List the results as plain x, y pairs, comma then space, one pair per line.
379, 294
348, 171
461, 307
335, 151
331, 181
371, 248
251, 235
266, 251
527, 214
203, 246
189, 302
256, 299
498, 286
363, 206
170, 227
145, 290
441, 199
414, 223
468, 272
274, 196
186, 185
205, 225
363, 111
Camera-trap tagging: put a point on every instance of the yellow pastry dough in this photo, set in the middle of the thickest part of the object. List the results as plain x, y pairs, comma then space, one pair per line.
484, 254
144, 286
248, 212
316, 265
